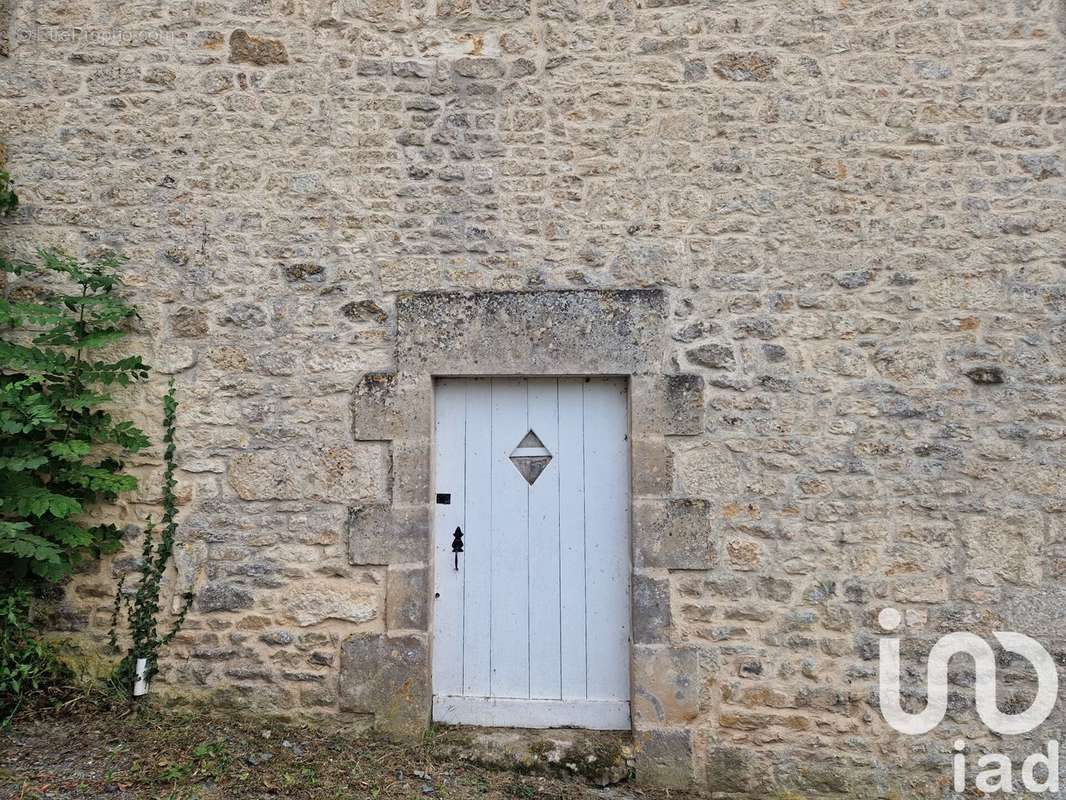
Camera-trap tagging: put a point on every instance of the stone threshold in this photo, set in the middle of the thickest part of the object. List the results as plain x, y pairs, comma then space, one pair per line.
602, 758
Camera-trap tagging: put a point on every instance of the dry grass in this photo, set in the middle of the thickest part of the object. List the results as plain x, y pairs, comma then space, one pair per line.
101, 748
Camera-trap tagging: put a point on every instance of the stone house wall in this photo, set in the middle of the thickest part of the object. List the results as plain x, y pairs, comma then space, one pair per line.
854, 210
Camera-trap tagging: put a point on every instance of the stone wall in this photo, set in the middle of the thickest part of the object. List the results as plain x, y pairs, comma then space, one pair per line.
855, 209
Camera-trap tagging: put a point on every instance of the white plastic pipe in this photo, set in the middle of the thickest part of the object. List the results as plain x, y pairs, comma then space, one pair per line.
140, 683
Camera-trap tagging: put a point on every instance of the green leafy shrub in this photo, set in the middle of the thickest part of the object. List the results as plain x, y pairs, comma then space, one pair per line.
26, 663
60, 447
142, 610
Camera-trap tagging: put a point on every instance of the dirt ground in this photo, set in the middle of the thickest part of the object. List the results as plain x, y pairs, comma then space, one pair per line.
89, 749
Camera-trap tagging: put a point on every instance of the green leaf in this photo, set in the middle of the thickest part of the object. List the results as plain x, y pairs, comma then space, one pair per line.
60, 438
69, 534
73, 450
18, 541
22, 463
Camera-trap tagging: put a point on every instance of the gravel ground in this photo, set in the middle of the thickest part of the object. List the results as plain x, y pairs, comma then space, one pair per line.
91, 749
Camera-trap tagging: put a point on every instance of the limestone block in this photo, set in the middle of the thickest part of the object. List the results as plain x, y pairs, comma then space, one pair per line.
902, 362
728, 770
744, 555
683, 405
247, 49
674, 534
708, 469
384, 534
407, 598
645, 406
667, 405
190, 323
1003, 549
373, 409
664, 757
651, 608
503, 9
335, 473
313, 603
746, 66
223, 597
372, 10
667, 681
715, 356
653, 467
411, 460
478, 68
389, 678
618, 332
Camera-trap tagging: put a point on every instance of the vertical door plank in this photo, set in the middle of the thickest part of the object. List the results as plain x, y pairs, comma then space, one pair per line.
510, 543
448, 472
544, 654
606, 540
476, 559
570, 457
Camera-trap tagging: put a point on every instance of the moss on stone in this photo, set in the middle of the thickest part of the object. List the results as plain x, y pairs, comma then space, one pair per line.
600, 761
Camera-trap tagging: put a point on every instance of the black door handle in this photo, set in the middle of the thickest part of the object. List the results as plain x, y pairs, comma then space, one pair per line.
457, 544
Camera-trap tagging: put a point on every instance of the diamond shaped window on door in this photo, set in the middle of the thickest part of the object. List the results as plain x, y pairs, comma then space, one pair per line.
531, 457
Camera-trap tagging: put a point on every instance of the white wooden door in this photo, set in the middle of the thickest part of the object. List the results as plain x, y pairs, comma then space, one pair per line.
531, 618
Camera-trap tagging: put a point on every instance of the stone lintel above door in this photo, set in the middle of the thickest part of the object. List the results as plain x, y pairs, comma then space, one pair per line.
531, 333
619, 332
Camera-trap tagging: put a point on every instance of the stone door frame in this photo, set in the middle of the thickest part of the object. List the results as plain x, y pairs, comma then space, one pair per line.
527, 334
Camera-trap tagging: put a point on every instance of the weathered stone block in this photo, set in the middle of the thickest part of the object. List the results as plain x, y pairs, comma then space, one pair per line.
695, 69
746, 66
335, 473
708, 469
411, 459
529, 333
715, 356
905, 362
503, 9
1042, 166
389, 678
985, 374
407, 598
479, 68
223, 597
683, 405
728, 770
643, 263
1004, 548
646, 406
667, 405
315, 602
653, 467
372, 10
247, 49
667, 681
651, 609
373, 411
364, 311
744, 555
664, 757
412, 69
385, 534
674, 534
190, 323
